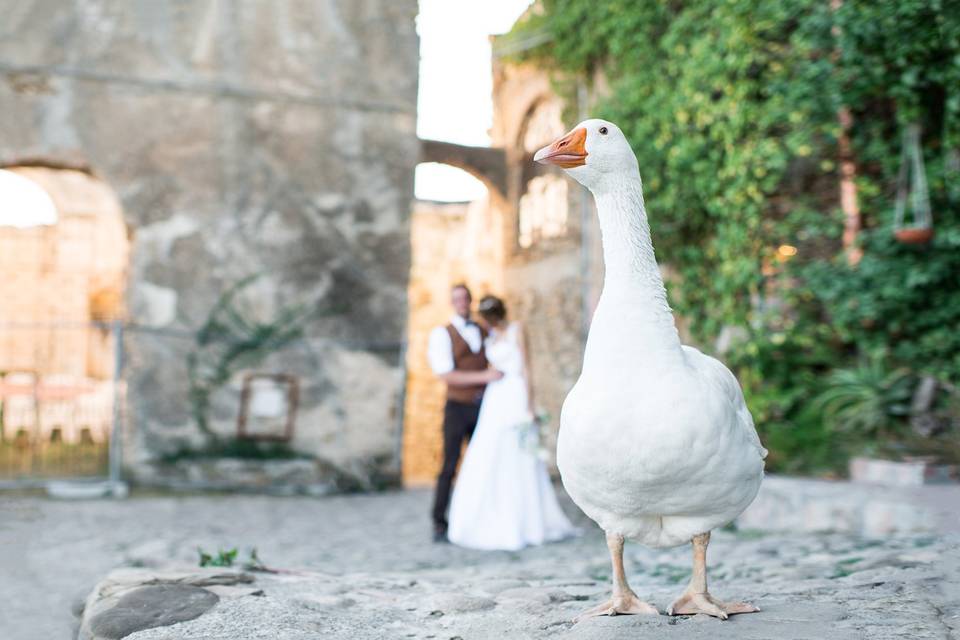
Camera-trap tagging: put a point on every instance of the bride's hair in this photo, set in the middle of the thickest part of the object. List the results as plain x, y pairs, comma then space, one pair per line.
492, 309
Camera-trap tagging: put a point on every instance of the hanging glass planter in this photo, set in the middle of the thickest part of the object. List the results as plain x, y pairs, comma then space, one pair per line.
951, 165
912, 186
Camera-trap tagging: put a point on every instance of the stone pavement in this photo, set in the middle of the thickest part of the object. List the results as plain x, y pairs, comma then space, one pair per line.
362, 567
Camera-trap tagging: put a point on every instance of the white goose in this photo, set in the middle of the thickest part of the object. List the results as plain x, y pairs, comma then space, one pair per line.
656, 442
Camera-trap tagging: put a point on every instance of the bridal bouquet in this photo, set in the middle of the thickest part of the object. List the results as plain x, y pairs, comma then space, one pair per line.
529, 435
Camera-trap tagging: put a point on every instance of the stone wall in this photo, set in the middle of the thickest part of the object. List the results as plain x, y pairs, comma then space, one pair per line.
242, 138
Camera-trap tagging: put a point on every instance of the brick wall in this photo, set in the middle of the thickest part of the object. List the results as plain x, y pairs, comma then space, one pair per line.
451, 243
65, 274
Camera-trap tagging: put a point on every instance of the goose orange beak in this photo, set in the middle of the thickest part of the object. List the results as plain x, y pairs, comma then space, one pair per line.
566, 152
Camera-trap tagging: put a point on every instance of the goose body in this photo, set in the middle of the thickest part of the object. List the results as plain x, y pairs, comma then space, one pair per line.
658, 456
656, 443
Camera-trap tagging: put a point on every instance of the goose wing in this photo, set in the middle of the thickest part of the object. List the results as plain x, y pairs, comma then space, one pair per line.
723, 379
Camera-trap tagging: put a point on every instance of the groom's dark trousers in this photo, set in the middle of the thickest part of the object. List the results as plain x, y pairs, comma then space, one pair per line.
459, 421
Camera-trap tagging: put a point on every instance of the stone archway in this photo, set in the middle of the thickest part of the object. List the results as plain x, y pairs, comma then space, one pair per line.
451, 242
71, 270
64, 282
487, 164
87, 244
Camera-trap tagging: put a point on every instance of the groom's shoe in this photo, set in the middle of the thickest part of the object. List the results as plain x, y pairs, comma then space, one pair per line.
440, 534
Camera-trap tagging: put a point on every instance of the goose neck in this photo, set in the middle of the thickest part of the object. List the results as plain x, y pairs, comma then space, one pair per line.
632, 279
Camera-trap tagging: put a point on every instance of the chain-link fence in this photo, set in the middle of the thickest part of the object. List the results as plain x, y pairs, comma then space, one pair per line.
60, 395
231, 388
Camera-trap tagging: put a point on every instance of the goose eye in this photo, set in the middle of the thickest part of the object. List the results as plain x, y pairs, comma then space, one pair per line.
603, 131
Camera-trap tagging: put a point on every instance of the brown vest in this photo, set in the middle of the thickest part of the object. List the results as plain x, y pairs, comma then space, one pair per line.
466, 360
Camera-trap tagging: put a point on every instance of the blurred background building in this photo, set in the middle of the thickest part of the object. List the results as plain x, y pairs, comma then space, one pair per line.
258, 210
63, 275
262, 157
62, 283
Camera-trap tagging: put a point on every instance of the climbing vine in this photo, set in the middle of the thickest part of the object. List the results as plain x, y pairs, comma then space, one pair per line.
231, 340
732, 109
709, 97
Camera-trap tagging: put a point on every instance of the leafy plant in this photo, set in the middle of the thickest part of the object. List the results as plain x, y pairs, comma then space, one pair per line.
868, 400
732, 111
899, 298
781, 366
221, 559
226, 558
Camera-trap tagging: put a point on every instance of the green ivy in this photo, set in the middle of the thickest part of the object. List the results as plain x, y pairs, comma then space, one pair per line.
900, 300
709, 95
731, 107
230, 340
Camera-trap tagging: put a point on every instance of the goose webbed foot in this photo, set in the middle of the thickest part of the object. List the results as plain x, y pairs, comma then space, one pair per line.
624, 600
691, 603
696, 599
621, 604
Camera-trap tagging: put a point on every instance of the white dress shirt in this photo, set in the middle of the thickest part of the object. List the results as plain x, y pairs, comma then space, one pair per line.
440, 347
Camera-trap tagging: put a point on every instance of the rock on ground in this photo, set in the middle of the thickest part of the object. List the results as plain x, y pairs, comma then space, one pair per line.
150, 606
363, 567
822, 587
130, 600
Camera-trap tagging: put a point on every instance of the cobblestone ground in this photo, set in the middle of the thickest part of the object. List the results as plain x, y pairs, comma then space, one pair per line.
363, 567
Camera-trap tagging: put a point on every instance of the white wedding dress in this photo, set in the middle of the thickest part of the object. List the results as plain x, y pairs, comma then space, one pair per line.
503, 498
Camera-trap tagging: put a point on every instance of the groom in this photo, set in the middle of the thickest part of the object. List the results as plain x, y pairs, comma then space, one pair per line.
457, 357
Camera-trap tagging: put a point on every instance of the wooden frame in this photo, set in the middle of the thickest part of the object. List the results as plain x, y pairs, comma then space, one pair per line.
293, 400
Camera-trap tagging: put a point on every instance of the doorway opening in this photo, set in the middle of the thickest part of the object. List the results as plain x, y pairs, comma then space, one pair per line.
64, 252
451, 242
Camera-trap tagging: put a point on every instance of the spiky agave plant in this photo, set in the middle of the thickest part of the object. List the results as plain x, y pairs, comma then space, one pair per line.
868, 400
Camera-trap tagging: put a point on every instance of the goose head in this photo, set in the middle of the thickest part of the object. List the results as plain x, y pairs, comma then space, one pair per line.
595, 153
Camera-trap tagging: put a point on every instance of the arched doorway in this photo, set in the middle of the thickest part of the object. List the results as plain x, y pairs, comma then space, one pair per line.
543, 210
64, 252
451, 242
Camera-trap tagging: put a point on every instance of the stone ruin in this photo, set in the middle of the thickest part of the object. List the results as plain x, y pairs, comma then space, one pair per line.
263, 157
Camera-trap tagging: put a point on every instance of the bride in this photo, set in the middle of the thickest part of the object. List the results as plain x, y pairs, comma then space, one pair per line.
503, 498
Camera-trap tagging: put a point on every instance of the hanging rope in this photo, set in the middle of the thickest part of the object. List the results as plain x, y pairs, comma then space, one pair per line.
912, 184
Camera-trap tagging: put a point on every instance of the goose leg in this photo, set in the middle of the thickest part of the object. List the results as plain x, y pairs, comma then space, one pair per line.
624, 600
696, 598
